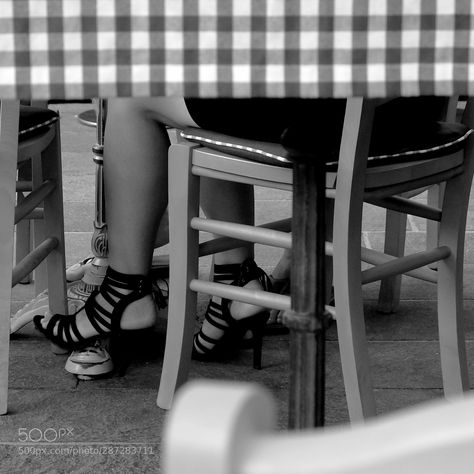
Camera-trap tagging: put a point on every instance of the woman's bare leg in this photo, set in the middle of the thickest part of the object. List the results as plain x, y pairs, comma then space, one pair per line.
235, 203
136, 176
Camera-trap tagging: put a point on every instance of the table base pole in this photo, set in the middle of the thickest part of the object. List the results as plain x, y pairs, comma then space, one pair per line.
307, 319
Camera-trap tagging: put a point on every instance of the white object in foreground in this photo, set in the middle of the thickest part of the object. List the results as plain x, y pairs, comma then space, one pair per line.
223, 428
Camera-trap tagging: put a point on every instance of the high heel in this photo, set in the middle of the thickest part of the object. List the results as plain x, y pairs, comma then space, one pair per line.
207, 348
118, 290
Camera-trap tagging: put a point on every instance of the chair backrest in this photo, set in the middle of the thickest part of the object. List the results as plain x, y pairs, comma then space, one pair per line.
224, 427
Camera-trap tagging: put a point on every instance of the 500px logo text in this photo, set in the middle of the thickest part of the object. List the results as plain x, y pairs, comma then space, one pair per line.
48, 435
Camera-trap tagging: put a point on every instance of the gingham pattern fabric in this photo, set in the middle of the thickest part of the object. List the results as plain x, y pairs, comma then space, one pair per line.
235, 48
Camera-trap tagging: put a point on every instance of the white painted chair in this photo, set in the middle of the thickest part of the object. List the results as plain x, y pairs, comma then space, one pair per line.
378, 181
43, 201
224, 428
396, 227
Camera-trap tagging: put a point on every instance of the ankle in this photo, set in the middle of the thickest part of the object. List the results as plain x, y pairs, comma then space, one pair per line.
226, 273
118, 284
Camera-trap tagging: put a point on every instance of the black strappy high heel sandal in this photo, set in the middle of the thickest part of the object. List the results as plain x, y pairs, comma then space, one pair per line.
207, 348
118, 290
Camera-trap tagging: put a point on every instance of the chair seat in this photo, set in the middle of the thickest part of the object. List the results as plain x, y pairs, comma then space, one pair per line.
34, 121
441, 138
256, 166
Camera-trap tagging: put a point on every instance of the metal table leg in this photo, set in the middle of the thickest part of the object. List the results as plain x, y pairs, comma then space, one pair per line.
95, 272
307, 319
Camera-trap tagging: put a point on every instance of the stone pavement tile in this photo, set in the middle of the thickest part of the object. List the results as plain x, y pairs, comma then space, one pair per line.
78, 216
389, 401
267, 257
269, 211
75, 163
336, 407
33, 366
78, 139
373, 218
405, 364
22, 292
415, 241
270, 194
412, 289
78, 246
79, 187
414, 320
400, 364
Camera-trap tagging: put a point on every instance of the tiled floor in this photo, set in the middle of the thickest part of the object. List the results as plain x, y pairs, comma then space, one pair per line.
99, 420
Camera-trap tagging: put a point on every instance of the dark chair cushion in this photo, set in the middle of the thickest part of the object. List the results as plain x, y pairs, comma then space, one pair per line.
435, 139
34, 121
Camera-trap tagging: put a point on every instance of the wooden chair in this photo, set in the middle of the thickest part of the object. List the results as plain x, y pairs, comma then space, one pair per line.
356, 179
230, 428
44, 201
396, 227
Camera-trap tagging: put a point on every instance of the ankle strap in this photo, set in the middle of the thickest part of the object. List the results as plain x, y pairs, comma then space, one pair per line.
141, 284
226, 272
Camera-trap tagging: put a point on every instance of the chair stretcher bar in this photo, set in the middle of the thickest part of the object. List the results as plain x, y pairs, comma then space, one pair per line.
33, 199
33, 259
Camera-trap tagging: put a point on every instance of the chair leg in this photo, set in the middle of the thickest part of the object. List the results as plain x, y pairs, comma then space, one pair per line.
38, 225
8, 168
395, 232
347, 257
54, 223
450, 288
7, 205
351, 332
184, 251
435, 199
23, 228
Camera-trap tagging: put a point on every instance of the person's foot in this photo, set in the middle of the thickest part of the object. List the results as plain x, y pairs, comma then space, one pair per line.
123, 302
223, 315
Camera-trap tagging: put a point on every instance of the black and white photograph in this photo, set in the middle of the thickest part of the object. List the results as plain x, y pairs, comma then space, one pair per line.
236, 236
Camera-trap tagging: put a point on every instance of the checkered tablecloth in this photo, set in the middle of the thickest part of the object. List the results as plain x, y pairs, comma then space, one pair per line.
235, 48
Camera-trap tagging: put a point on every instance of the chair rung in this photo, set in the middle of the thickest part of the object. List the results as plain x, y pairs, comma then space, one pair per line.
37, 213
261, 298
408, 206
33, 199
24, 186
222, 244
412, 265
33, 259
257, 297
244, 232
